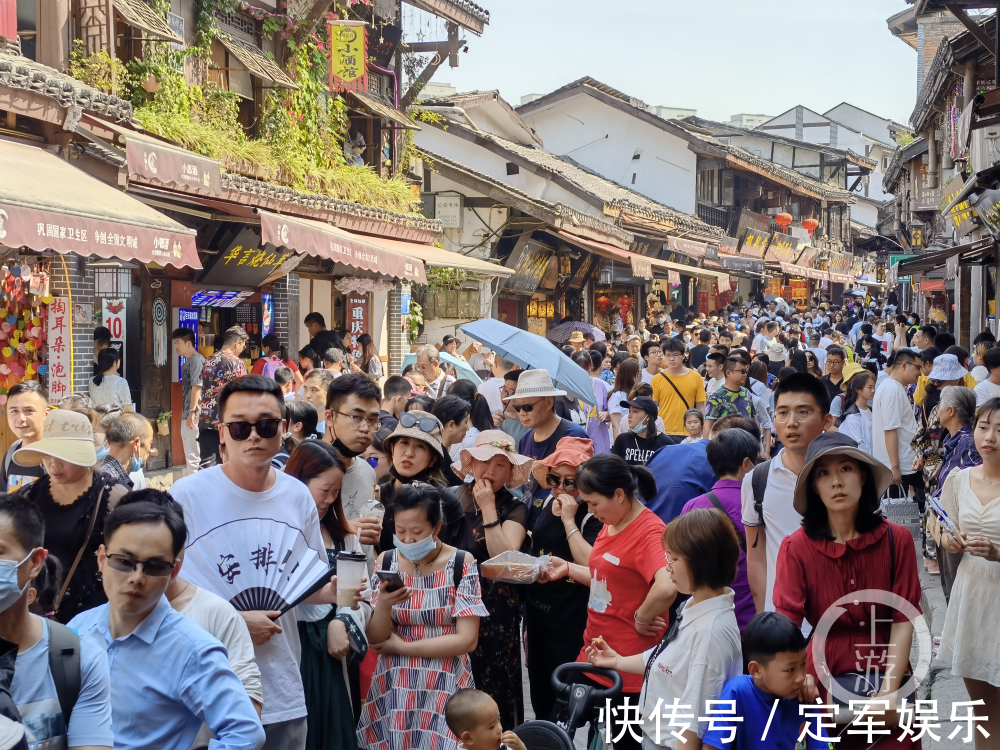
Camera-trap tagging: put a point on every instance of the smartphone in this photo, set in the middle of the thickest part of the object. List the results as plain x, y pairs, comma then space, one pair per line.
392, 578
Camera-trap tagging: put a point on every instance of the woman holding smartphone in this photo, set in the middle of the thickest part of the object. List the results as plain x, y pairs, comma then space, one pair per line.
422, 631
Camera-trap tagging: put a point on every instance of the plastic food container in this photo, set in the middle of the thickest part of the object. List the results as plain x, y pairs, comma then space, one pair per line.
514, 567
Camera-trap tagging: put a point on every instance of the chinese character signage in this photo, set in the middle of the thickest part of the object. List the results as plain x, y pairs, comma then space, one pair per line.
113, 318
60, 353
356, 321
348, 56
448, 210
987, 205
782, 248
755, 243
245, 262
531, 267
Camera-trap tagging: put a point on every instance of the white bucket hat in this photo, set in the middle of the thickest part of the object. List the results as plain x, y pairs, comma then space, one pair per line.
67, 436
947, 367
535, 384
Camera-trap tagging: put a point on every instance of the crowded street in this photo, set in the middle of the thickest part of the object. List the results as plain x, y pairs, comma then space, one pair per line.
394, 375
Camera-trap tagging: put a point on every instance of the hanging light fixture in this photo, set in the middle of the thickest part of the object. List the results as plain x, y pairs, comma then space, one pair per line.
783, 220
112, 279
810, 225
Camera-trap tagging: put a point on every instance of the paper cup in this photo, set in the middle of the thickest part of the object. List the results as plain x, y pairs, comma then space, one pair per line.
351, 569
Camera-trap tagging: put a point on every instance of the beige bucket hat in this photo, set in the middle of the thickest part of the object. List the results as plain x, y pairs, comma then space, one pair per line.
490, 443
67, 436
535, 384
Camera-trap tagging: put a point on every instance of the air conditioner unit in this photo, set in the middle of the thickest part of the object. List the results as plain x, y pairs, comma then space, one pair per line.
985, 148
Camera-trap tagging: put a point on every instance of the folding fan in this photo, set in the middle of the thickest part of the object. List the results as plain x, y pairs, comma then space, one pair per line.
259, 564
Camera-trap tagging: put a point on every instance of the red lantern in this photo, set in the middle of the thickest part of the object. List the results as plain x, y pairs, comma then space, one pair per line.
810, 225
783, 220
602, 302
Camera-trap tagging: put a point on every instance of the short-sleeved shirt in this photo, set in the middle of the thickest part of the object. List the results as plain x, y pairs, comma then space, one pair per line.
892, 410
724, 402
34, 692
191, 377
690, 390
755, 707
598, 431
113, 389
221, 368
13, 476
622, 568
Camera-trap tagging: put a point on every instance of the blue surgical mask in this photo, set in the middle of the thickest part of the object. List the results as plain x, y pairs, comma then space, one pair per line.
910, 321
640, 427
416, 550
9, 590
136, 464
103, 451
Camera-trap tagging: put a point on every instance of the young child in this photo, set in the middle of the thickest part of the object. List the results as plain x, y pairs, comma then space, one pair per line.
284, 377
474, 718
694, 423
774, 658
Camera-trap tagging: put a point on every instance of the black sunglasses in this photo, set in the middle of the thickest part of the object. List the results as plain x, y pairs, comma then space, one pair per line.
426, 424
526, 408
151, 568
554, 480
266, 429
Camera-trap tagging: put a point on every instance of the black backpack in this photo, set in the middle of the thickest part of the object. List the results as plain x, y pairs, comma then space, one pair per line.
64, 664
758, 483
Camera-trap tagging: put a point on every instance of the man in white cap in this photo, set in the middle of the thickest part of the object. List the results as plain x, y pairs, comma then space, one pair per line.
534, 402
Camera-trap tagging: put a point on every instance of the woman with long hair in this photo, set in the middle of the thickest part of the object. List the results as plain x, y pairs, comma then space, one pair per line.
798, 361
332, 638
371, 363
107, 386
812, 363
630, 588
968, 643
626, 377
846, 545
856, 421
300, 422
759, 377
272, 350
480, 416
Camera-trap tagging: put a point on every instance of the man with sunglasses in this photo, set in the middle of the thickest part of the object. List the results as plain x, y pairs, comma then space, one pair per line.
152, 706
246, 486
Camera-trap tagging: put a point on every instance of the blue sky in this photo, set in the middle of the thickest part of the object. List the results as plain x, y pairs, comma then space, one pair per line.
720, 57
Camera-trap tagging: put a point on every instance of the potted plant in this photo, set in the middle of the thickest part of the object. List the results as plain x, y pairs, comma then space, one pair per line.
163, 423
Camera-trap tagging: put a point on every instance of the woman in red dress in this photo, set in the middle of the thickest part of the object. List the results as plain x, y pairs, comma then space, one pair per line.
845, 547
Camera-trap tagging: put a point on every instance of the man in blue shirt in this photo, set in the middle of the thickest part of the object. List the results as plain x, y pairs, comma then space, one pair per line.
33, 689
154, 706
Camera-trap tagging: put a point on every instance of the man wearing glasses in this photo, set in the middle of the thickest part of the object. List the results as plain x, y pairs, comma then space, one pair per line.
168, 675
247, 487
429, 365
734, 398
801, 413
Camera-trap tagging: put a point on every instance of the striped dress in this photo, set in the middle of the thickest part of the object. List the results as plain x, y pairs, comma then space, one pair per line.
405, 704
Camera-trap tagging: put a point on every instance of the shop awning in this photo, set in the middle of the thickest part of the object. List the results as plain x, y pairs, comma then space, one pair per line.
840, 278
352, 251
137, 13
436, 257
641, 265
257, 63
665, 265
929, 261
804, 271
46, 203
382, 110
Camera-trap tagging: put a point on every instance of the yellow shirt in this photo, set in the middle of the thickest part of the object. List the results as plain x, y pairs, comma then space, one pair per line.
672, 406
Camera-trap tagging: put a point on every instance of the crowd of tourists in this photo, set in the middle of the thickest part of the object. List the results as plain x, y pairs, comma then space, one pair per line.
699, 524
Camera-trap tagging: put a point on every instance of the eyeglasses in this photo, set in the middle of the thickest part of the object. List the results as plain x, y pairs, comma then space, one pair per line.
266, 429
554, 480
801, 415
526, 408
373, 424
426, 424
151, 568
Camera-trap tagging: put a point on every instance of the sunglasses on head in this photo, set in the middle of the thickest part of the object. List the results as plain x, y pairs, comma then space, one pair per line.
151, 568
426, 424
266, 429
554, 480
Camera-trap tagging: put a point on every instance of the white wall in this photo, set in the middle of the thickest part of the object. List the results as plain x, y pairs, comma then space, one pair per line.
605, 139
474, 231
865, 122
865, 213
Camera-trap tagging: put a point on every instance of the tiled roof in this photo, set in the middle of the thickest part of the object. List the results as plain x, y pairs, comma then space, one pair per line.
863, 231
21, 73
569, 215
592, 83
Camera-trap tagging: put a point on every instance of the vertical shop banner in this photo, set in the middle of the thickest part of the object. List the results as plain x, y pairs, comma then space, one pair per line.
348, 56
357, 321
113, 318
267, 314
60, 352
405, 296
184, 317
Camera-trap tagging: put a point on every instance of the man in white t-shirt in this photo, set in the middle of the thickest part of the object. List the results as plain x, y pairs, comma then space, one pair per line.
801, 413
884, 339
246, 487
894, 426
491, 388
652, 352
989, 388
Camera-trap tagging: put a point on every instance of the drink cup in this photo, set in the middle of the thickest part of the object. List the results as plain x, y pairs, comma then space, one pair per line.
374, 509
351, 569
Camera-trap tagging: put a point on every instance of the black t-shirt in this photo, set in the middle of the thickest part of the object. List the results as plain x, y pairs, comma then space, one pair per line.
325, 340
14, 476
657, 329
844, 327
638, 450
559, 607
509, 508
832, 388
699, 354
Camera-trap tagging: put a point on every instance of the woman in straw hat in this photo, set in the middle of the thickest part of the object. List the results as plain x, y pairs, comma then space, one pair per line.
845, 545
416, 454
496, 524
74, 499
556, 612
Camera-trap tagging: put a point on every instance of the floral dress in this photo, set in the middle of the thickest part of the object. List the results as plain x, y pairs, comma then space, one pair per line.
406, 700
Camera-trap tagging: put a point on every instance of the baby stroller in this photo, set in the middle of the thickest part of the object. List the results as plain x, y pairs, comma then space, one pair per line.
574, 706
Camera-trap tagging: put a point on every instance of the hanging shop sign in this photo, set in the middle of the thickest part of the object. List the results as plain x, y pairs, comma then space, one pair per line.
113, 318
672, 256
158, 162
687, 247
267, 314
722, 284
530, 267
405, 296
840, 263
987, 205
641, 267
582, 272
782, 248
540, 308
711, 252
245, 262
961, 216
924, 198
184, 317
60, 351
348, 56
754, 244
646, 246
742, 265
357, 321
729, 246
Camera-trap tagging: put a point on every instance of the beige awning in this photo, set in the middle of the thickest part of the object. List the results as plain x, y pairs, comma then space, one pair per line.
137, 13
383, 110
257, 63
436, 257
